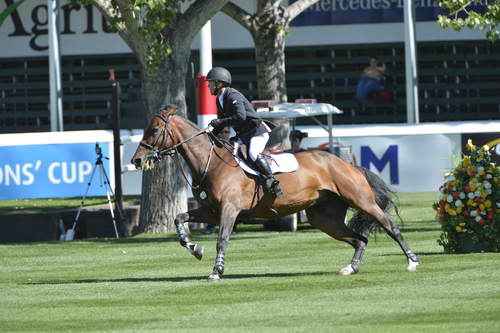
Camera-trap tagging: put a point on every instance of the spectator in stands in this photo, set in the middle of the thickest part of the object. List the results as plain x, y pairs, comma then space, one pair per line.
296, 137
370, 79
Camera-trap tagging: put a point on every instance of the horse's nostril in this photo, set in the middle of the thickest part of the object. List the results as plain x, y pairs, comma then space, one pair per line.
136, 161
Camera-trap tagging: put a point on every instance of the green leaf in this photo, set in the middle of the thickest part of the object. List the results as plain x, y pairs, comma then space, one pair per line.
7, 11
489, 20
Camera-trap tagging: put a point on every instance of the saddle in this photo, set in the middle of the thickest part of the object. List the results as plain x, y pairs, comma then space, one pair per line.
279, 161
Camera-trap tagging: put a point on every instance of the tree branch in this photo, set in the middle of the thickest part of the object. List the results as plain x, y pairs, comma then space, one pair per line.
262, 4
298, 7
196, 16
238, 14
129, 28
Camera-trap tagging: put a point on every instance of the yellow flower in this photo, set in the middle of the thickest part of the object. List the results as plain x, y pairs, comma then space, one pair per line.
487, 203
474, 180
459, 210
470, 202
452, 212
466, 161
458, 229
481, 207
462, 224
470, 146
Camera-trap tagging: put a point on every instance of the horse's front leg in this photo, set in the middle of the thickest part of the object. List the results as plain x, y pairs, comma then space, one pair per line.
190, 216
227, 219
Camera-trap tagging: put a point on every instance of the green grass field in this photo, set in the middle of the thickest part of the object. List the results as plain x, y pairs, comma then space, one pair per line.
274, 282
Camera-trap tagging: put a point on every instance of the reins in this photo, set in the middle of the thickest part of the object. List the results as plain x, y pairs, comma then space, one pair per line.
172, 151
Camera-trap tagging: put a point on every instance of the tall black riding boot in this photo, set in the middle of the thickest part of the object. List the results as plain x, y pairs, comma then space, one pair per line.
271, 184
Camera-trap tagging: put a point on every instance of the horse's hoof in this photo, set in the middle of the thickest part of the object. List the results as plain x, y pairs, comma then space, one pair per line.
214, 278
198, 251
348, 270
412, 266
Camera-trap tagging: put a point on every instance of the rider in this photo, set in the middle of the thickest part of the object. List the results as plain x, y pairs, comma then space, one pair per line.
236, 111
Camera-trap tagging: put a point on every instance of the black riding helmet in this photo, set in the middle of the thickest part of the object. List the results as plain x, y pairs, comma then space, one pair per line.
219, 74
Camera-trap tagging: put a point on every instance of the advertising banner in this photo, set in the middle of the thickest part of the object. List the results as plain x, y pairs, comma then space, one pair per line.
51, 170
332, 12
410, 163
83, 30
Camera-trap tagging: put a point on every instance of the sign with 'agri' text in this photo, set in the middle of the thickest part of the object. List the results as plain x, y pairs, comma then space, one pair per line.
83, 30
51, 170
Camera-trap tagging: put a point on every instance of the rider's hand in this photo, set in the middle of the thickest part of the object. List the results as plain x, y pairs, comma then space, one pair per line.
216, 123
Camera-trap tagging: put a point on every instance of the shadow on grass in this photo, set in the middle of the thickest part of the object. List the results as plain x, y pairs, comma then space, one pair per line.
169, 239
403, 229
417, 253
181, 278
196, 238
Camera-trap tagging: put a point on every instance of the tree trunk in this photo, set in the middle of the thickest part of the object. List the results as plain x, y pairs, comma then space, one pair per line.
269, 39
163, 188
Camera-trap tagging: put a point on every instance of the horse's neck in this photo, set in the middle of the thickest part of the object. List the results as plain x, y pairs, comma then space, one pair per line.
195, 152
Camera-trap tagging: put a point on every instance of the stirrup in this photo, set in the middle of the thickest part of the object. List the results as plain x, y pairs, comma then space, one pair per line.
271, 186
276, 190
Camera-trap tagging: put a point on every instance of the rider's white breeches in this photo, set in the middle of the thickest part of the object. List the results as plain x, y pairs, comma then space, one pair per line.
257, 145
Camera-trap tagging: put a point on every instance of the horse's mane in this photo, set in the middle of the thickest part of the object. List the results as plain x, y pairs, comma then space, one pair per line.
192, 124
171, 109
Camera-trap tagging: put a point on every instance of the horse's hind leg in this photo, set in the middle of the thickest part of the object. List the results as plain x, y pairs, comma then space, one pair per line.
393, 231
190, 216
329, 218
395, 234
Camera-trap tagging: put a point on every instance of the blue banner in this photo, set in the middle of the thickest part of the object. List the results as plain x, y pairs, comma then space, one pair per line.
333, 12
50, 170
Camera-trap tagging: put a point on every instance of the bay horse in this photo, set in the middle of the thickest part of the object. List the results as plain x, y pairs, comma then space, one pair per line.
324, 185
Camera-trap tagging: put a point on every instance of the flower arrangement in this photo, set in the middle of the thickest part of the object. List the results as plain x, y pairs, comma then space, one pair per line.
469, 203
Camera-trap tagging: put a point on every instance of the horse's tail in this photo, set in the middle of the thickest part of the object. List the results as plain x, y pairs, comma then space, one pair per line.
385, 198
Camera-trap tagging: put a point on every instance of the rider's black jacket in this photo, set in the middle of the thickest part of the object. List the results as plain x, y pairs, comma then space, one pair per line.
236, 111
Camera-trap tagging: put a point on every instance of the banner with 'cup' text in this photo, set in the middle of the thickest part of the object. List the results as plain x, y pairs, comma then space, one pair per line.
52, 170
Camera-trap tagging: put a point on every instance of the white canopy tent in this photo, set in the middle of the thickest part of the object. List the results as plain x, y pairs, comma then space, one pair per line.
298, 110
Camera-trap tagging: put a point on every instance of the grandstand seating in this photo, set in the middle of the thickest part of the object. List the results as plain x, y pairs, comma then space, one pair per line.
457, 81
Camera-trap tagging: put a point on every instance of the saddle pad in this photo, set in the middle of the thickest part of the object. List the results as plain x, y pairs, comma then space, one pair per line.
279, 163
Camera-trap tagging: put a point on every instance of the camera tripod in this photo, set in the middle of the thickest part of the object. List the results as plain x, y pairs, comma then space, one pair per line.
104, 181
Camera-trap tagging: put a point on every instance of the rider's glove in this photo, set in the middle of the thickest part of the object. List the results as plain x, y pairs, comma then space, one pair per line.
216, 123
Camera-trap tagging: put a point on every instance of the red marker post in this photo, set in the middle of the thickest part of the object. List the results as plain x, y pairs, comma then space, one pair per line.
207, 109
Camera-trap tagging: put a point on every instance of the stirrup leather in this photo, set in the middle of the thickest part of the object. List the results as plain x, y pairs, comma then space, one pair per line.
270, 183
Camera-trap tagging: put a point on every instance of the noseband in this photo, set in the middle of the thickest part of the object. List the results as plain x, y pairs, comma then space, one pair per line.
155, 152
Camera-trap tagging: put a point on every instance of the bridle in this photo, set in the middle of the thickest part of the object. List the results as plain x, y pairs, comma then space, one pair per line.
157, 154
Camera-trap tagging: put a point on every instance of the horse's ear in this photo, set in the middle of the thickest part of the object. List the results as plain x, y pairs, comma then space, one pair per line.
168, 109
